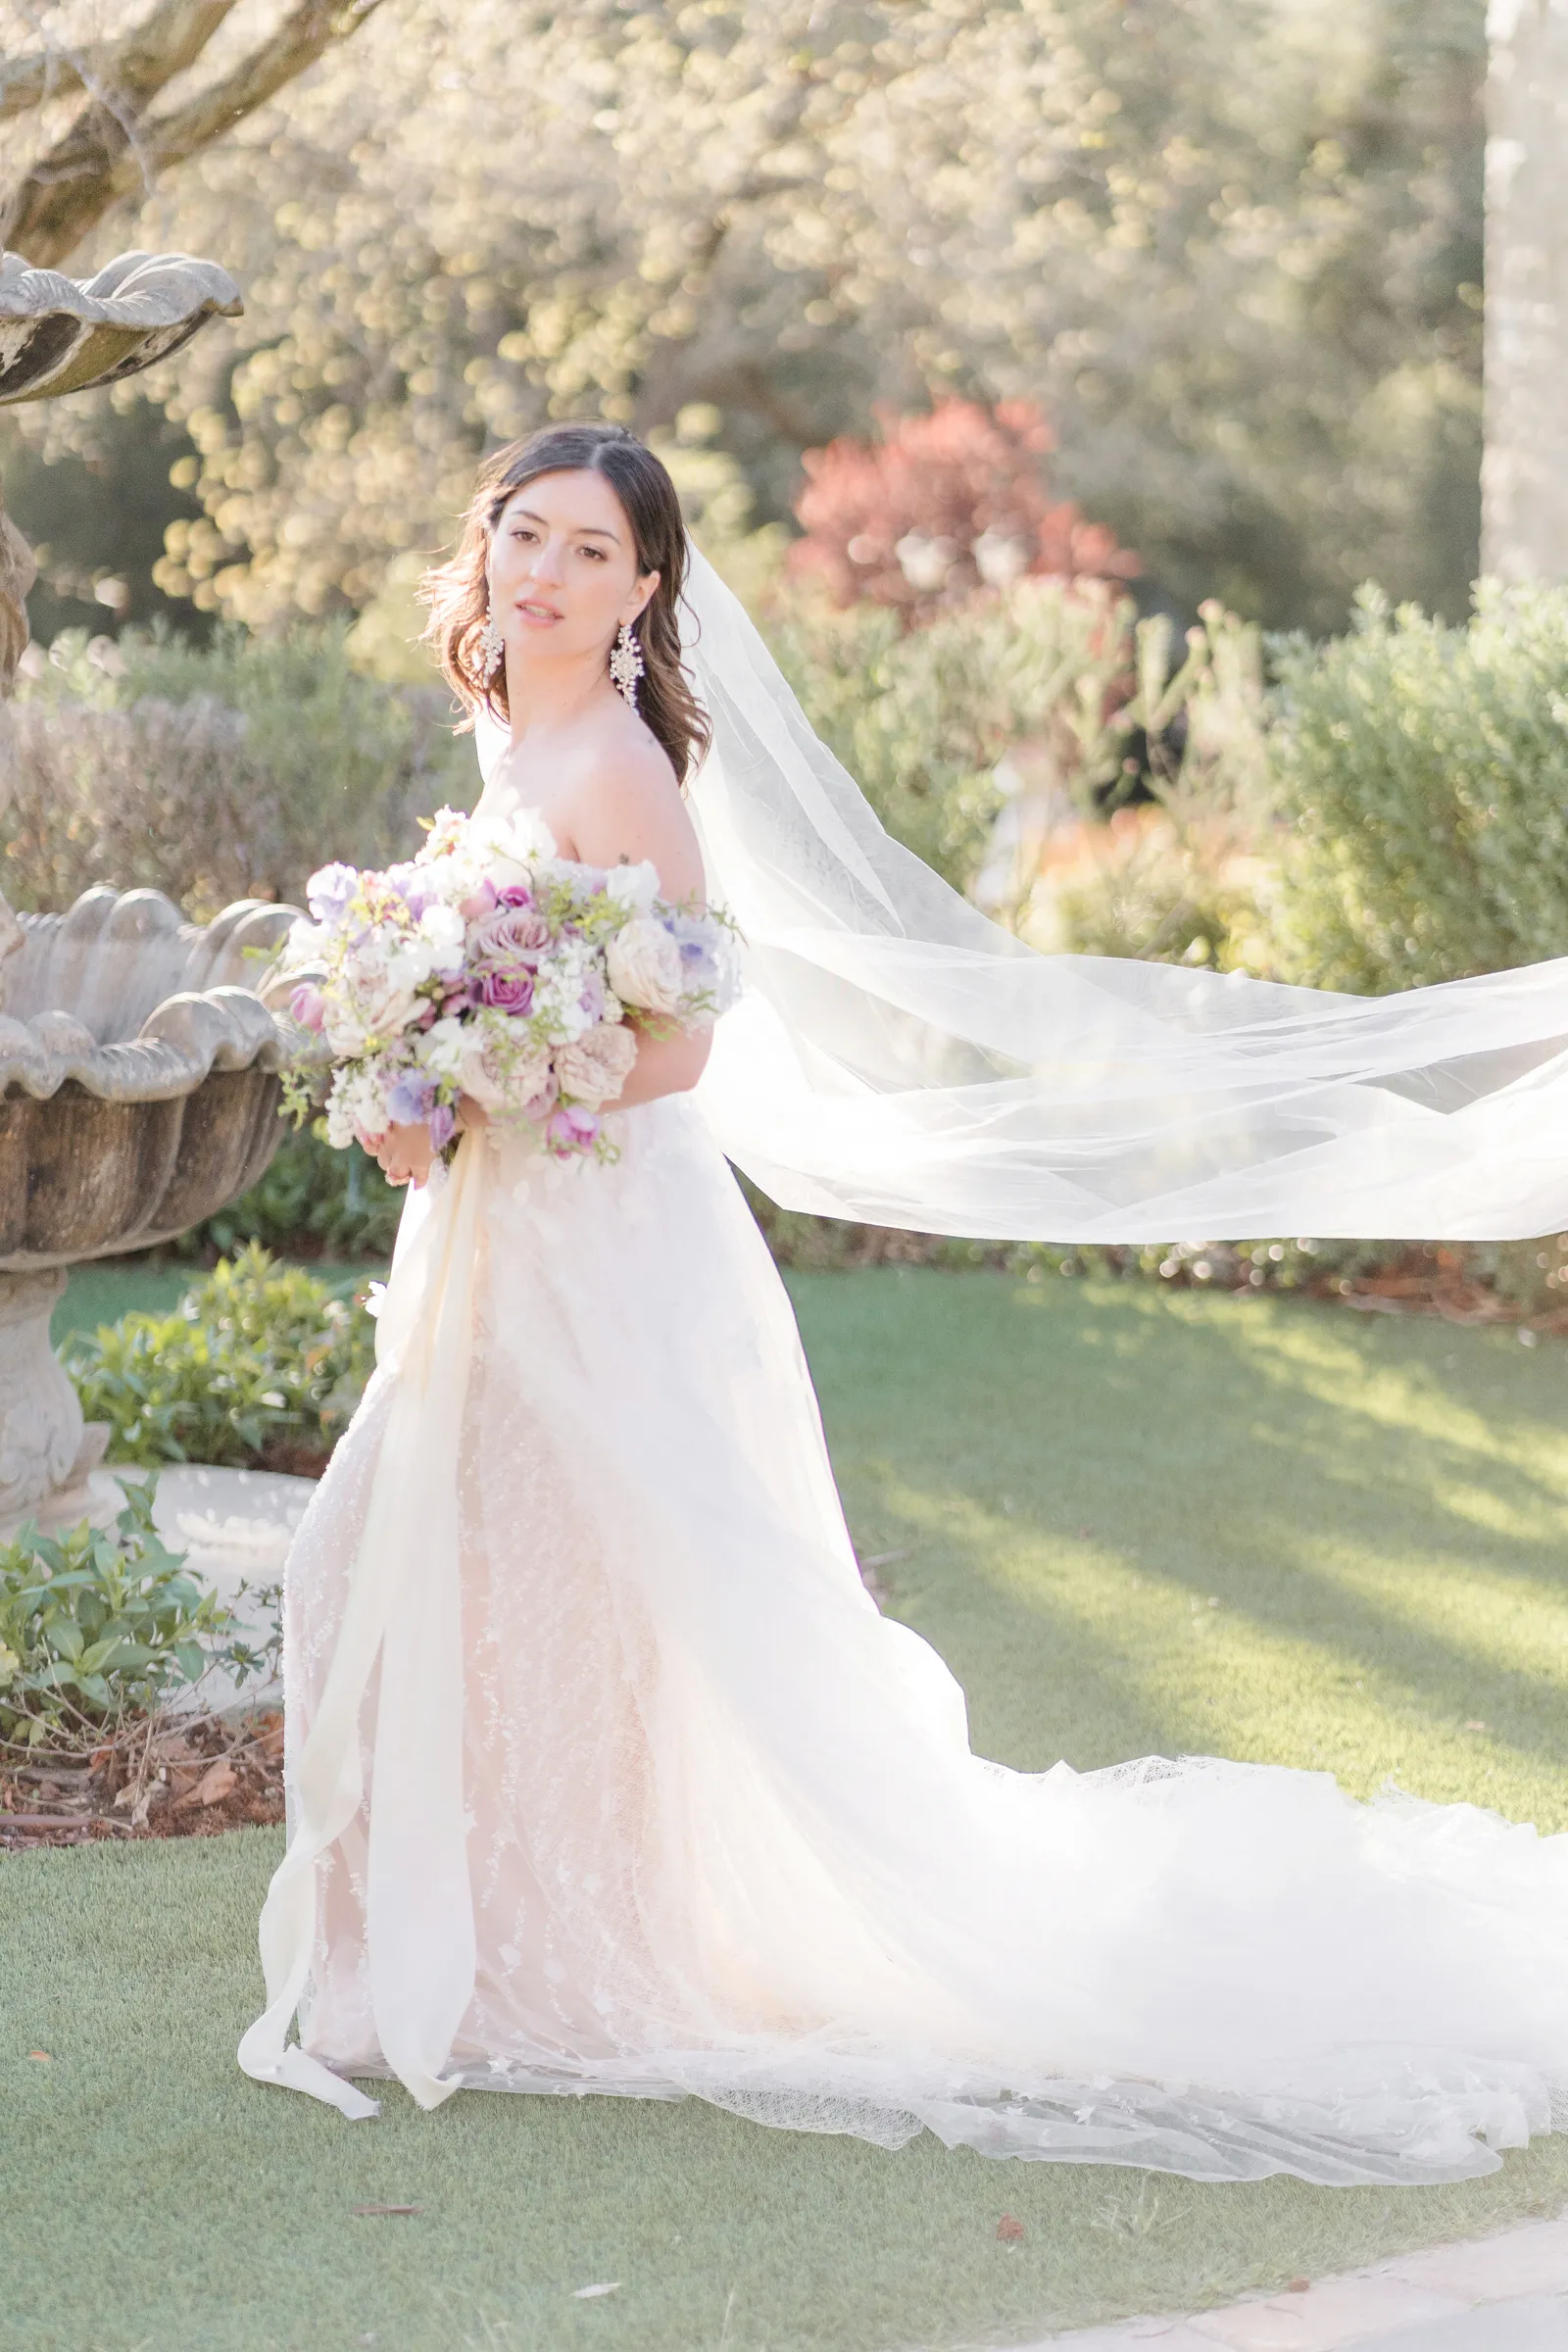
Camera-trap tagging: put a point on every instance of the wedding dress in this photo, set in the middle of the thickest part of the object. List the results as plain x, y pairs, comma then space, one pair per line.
607, 1775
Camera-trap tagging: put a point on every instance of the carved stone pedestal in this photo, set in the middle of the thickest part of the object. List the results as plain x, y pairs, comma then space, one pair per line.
45, 1446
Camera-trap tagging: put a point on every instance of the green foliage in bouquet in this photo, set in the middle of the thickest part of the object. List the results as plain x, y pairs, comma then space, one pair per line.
99, 1624
260, 1365
1425, 772
312, 1203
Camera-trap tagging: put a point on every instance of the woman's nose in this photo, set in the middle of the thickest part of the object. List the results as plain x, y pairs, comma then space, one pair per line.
546, 563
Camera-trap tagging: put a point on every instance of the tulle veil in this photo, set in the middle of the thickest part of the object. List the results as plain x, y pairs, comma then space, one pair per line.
899, 1059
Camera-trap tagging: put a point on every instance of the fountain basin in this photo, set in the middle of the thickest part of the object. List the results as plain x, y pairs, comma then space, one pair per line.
139, 1093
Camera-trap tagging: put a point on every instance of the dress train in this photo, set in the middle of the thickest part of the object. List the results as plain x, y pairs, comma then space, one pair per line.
714, 1824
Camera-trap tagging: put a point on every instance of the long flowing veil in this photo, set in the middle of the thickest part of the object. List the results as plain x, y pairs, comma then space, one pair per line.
897, 1058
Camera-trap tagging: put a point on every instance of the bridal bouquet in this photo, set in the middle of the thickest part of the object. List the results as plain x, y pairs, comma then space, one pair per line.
490, 967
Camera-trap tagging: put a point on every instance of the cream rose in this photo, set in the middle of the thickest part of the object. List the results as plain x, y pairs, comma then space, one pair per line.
645, 967
381, 1009
509, 935
597, 1065
499, 1081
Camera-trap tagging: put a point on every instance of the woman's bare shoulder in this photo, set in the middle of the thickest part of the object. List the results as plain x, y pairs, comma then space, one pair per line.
626, 803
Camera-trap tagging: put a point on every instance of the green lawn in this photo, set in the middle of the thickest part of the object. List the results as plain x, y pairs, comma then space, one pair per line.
1074, 1472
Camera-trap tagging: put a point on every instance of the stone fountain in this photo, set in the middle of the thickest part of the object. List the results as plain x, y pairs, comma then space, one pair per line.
138, 1066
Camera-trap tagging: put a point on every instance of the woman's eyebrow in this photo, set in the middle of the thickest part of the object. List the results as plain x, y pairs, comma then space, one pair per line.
583, 530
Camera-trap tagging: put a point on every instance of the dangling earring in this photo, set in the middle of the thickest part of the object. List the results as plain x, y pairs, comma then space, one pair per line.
492, 646
626, 664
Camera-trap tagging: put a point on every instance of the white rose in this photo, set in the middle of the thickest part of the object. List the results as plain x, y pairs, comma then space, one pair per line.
597, 1066
345, 1031
634, 886
377, 1006
645, 966
387, 1008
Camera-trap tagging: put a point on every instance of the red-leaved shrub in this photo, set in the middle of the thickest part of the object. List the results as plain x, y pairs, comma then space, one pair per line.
942, 503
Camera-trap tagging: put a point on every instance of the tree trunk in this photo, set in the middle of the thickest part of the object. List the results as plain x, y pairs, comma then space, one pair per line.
1524, 476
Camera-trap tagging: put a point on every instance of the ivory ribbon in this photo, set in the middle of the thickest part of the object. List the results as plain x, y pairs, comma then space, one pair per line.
402, 1609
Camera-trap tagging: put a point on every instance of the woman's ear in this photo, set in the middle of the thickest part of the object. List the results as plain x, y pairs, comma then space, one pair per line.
641, 597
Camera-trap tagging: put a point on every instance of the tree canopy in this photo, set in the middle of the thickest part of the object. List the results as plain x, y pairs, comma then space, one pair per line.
1231, 247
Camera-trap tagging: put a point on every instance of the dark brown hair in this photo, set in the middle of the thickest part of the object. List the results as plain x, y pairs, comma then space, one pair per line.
458, 600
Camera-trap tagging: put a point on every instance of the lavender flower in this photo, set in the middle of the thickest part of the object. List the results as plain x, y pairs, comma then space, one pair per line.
409, 1098
328, 891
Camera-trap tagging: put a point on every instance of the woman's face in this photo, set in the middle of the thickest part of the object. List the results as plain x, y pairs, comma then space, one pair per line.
562, 566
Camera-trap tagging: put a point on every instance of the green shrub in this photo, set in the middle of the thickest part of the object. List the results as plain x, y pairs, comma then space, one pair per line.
100, 1624
921, 718
312, 1203
1474, 1281
215, 772
260, 1365
1425, 772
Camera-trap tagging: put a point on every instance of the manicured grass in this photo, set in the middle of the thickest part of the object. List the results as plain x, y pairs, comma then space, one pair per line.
1080, 1470
1073, 1472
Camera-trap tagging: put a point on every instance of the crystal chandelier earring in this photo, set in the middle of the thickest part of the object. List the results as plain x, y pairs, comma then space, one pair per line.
492, 645
626, 664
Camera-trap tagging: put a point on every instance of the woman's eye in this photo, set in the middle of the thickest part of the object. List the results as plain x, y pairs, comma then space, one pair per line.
597, 552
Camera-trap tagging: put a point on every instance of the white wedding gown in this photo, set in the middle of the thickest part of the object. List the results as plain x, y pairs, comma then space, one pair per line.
718, 1829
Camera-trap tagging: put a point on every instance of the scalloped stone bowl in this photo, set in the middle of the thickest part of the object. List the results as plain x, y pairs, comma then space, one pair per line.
139, 1092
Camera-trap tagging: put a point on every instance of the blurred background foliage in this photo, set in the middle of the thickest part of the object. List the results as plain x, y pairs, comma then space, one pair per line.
1230, 248
1047, 378
213, 770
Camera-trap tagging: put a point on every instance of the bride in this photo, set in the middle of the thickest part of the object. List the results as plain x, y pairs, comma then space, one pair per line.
605, 1772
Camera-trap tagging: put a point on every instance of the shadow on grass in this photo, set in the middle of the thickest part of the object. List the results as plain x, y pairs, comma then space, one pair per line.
1369, 1504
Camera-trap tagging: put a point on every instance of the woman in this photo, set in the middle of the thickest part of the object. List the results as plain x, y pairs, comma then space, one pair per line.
605, 1773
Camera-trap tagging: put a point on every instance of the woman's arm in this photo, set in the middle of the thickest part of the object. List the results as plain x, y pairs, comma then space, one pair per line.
629, 807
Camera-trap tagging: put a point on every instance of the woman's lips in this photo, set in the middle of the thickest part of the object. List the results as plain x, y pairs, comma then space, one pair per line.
537, 615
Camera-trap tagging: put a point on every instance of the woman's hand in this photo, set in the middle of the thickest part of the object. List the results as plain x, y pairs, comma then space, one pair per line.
405, 1153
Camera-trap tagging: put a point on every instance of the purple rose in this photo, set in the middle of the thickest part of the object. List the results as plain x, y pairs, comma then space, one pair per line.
328, 892
308, 1006
515, 894
508, 992
512, 936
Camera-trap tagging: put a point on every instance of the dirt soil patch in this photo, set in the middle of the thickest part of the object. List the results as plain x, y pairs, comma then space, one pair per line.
163, 1776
